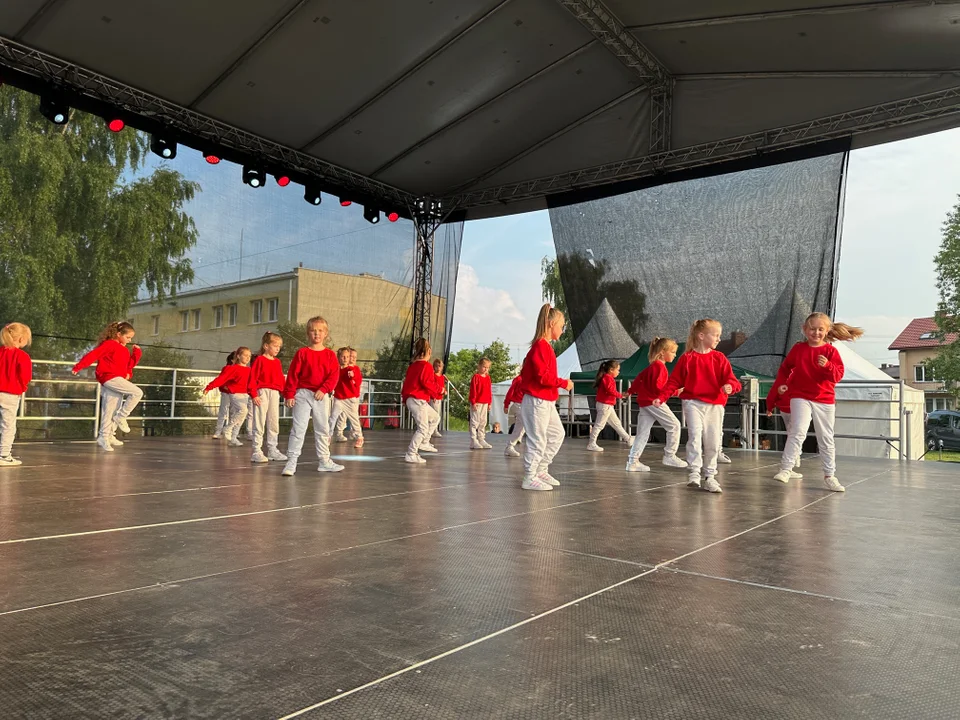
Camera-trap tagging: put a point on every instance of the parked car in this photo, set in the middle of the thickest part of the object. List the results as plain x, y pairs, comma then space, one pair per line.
943, 425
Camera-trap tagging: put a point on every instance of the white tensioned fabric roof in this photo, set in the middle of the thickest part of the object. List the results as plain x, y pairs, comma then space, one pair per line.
498, 106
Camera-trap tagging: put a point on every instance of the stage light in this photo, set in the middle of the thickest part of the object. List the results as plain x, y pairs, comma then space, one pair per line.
253, 177
116, 124
345, 203
211, 158
371, 215
311, 195
54, 110
282, 180
164, 147
393, 216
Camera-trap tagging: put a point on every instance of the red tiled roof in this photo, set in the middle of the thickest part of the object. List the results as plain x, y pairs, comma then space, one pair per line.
910, 337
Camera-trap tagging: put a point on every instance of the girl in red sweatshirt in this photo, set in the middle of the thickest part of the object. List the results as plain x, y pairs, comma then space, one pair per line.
264, 387
418, 389
223, 412
781, 403
235, 379
707, 379
607, 396
647, 386
809, 374
16, 371
118, 395
541, 386
481, 395
514, 396
346, 398
437, 401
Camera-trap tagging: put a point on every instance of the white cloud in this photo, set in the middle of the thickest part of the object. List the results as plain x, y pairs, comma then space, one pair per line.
483, 314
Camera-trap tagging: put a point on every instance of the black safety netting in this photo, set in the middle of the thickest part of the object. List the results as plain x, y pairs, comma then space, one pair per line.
756, 250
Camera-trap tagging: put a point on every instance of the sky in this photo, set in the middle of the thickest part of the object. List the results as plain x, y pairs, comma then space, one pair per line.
897, 198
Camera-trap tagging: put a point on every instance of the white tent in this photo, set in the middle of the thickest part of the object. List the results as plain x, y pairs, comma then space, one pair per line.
876, 405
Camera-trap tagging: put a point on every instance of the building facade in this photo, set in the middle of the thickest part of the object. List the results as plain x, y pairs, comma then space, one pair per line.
916, 344
364, 311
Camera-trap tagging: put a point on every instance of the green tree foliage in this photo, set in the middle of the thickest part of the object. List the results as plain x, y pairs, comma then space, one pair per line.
462, 366
946, 365
551, 289
158, 391
393, 357
80, 232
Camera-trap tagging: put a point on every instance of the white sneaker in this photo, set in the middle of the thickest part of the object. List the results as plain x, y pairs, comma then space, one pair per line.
593, 447
548, 479
711, 485
674, 461
485, 445
427, 447
414, 459
122, 425
104, 443
329, 466
534, 483
437, 434
474, 445
693, 480
637, 466
783, 476
358, 443
831, 483
510, 451
9, 461
276, 455
794, 475
723, 459
340, 438
215, 436
234, 443
289, 469
115, 442
258, 458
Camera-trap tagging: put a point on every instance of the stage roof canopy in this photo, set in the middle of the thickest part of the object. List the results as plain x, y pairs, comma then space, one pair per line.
498, 106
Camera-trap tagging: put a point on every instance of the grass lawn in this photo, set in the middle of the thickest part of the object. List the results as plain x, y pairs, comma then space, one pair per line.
948, 456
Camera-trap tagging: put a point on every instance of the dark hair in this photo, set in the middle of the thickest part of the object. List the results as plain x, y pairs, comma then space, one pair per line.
232, 358
607, 366
421, 349
115, 330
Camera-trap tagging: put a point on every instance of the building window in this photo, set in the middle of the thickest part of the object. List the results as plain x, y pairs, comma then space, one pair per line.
921, 373
196, 319
934, 404
231, 315
184, 321
273, 306
156, 325
256, 312
218, 316
928, 336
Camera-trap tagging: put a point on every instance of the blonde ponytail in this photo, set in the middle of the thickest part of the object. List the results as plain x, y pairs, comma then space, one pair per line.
545, 320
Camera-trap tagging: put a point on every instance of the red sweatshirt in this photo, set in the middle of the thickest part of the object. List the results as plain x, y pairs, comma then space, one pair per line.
481, 390
348, 384
649, 383
113, 360
312, 370
267, 373
607, 390
233, 378
441, 381
357, 380
776, 401
514, 394
701, 375
16, 370
808, 380
539, 372
420, 382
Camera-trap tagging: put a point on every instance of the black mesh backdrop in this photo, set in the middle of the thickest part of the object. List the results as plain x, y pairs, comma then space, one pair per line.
756, 250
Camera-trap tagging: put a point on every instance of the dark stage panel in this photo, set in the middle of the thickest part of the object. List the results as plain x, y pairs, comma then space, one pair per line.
173, 579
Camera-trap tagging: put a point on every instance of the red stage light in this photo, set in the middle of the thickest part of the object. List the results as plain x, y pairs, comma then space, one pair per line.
345, 203
116, 125
211, 158
393, 216
282, 180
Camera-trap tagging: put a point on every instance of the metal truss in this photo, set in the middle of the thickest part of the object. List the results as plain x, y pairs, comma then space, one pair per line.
428, 214
661, 118
67, 77
943, 103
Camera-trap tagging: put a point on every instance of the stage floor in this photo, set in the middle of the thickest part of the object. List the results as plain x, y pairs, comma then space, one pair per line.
172, 579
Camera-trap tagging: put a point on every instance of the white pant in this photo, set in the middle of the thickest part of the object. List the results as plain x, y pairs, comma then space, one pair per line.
239, 402
306, 407
801, 412
347, 410
250, 407
606, 414
478, 422
541, 421
436, 405
8, 421
518, 433
425, 420
222, 412
266, 419
118, 398
704, 432
646, 417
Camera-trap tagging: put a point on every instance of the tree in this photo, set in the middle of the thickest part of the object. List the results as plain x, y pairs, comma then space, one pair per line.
393, 358
946, 365
551, 289
81, 234
462, 366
